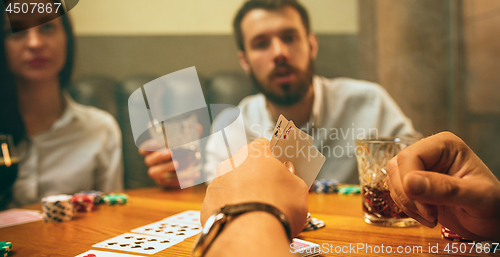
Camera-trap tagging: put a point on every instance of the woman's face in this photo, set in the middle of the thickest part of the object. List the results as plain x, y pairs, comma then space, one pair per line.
39, 53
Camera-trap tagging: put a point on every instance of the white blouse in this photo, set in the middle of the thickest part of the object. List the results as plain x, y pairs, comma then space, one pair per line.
81, 151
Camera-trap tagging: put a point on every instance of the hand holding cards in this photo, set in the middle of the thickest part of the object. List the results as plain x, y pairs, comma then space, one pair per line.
289, 143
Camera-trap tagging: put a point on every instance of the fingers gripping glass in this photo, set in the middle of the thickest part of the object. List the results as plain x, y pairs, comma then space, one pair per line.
187, 156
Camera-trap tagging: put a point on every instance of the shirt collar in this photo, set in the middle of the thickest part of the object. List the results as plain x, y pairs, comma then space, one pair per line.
69, 114
317, 110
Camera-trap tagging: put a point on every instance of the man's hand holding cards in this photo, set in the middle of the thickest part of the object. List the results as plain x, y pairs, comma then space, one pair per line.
289, 143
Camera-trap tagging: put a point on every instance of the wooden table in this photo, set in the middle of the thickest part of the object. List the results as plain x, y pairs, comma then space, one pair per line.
345, 229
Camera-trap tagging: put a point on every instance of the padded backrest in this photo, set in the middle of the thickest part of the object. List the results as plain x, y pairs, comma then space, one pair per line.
135, 170
229, 88
96, 90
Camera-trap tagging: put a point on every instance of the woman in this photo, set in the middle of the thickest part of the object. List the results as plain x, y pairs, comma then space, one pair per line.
64, 147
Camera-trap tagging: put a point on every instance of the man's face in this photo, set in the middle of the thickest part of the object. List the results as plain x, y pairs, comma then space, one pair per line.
278, 53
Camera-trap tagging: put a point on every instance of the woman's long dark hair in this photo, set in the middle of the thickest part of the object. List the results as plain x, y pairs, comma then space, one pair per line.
10, 118
11, 121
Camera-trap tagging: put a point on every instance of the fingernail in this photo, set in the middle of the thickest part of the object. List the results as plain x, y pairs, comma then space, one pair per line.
289, 166
417, 184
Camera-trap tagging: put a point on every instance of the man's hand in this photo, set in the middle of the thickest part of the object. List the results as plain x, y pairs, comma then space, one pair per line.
161, 166
440, 179
259, 178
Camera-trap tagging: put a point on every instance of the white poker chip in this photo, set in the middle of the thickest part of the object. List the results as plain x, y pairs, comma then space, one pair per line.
313, 223
57, 208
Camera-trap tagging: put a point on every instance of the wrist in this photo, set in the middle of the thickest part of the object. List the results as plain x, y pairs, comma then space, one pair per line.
218, 221
249, 234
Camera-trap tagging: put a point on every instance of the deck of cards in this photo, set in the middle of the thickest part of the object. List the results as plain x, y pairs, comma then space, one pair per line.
289, 143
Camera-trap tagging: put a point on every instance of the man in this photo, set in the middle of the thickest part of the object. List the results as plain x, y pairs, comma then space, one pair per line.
441, 172
277, 50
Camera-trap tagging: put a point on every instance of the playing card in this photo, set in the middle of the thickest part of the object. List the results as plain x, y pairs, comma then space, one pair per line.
191, 217
138, 243
170, 229
278, 130
306, 159
94, 253
300, 135
306, 249
14, 217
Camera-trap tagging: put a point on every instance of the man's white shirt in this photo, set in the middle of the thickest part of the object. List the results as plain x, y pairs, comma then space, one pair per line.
343, 110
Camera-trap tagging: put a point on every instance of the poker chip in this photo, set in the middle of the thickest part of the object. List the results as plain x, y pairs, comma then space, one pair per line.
113, 199
83, 202
97, 195
325, 186
57, 208
349, 190
446, 233
313, 223
5, 248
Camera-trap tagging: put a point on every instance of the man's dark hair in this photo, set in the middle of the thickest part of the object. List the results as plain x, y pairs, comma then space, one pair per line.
267, 5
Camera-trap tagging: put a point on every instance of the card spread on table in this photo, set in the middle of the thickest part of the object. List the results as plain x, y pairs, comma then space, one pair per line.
94, 253
191, 217
170, 229
137, 243
296, 146
14, 217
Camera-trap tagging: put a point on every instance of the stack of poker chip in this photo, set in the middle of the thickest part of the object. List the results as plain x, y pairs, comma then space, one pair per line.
325, 186
113, 199
5, 248
97, 195
448, 234
57, 208
349, 190
83, 202
313, 223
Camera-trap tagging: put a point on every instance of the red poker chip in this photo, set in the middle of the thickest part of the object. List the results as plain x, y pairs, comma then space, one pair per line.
451, 235
446, 233
83, 202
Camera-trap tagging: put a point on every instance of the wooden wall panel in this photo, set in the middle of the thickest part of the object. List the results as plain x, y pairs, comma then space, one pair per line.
440, 60
409, 56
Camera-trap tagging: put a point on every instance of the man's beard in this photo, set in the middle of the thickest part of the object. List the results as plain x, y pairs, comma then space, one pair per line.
293, 92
